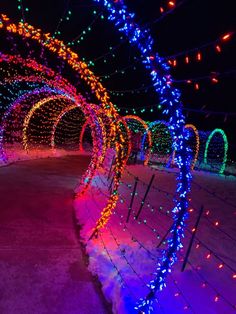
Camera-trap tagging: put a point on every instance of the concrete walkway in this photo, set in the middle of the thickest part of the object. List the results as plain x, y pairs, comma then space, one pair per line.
42, 267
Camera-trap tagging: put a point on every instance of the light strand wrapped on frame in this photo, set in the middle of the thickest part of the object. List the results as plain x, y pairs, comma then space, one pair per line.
163, 141
31, 113
197, 145
63, 112
206, 152
170, 99
145, 127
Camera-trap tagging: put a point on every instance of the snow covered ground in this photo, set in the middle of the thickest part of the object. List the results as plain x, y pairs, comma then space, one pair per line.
125, 254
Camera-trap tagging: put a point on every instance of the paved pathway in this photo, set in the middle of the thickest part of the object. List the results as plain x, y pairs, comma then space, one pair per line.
42, 267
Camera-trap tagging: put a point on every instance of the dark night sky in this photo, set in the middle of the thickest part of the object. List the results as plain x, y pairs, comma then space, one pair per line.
191, 25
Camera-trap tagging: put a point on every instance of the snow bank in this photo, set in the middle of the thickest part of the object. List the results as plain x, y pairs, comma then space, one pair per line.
124, 256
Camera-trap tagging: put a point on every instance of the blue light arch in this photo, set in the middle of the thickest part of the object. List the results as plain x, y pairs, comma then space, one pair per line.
170, 100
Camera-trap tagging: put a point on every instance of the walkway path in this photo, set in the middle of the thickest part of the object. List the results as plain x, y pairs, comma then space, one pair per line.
42, 267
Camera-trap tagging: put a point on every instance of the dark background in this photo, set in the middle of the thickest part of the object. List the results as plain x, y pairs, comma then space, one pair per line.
192, 24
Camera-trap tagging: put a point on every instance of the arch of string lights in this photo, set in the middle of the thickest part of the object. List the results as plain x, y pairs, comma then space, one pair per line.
58, 120
225, 148
170, 99
146, 131
150, 130
85, 125
31, 113
197, 145
98, 133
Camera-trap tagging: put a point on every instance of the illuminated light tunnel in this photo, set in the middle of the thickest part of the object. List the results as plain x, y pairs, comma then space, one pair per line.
45, 83
52, 87
100, 138
131, 218
170, 99
28, 117
59, 121
58, 47
58, 116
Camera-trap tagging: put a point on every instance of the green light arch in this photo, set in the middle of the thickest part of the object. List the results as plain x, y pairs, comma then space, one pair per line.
226, 146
